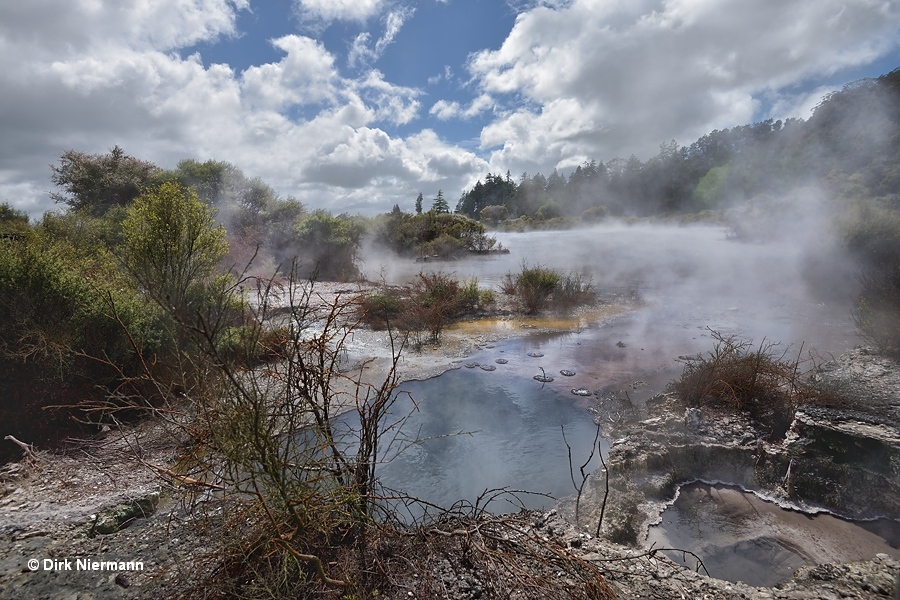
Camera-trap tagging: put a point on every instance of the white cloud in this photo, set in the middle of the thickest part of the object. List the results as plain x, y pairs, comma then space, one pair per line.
362, 54
584, 78
393, 23
444, 110
611, 78
326, 11
447, 75
296, 122
305, 75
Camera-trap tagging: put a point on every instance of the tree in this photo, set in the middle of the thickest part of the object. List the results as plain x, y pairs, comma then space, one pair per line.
13, 222
97, 182
330, 243
493, 213
440, 205
171, 244
419, 204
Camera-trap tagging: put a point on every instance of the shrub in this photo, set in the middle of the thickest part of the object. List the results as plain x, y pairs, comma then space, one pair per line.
380, 308
469, 296
444, 246
595, 214
172, 245
761, 382
429, 303
63, 319
508, 284
534, 286
435, 299
330, 245
575, 289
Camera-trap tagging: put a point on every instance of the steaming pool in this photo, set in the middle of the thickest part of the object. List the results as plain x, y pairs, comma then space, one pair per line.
692, 280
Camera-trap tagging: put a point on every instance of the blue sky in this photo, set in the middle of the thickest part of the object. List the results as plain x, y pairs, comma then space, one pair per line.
355, 105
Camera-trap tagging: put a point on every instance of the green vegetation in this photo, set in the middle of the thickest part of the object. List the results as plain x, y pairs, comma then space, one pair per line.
537, 286
848, 147
64, 343
172, 245
533, 286
427, 305
127, 302
431, 234
97, 182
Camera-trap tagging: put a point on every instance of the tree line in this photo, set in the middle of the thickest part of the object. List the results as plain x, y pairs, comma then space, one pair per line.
849, 145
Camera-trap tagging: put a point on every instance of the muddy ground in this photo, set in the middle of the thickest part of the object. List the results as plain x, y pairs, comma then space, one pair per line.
56, 507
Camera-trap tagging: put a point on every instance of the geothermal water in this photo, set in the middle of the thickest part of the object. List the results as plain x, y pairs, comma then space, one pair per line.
485, 430
797, 293
692, 280
740, 537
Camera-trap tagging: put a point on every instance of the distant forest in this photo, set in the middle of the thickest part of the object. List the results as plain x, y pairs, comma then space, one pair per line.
851, 145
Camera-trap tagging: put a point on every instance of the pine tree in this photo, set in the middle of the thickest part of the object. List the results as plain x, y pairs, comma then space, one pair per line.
419, 204
440, 205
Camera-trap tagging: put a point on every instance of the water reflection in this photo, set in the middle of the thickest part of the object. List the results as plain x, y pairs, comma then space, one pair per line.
487, 430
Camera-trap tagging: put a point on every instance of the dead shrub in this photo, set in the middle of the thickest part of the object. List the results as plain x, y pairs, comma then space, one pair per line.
760, 381
575, 289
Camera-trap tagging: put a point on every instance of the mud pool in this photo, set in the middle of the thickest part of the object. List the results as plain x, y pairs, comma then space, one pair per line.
740, 537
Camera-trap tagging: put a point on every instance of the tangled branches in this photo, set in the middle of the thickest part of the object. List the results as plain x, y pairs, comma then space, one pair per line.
504, 556
763, 382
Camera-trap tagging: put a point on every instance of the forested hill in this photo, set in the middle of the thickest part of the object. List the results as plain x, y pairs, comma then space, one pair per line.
851, 144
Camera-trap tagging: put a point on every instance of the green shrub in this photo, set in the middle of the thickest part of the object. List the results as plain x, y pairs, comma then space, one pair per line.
428, 304
469, 296
64, 320
534, 285
595, 214
444, 246
380, 308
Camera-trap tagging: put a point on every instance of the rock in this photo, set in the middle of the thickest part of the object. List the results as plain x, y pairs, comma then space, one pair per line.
113, 520
693, 418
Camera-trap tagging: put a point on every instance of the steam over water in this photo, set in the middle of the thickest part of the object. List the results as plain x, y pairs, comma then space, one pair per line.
691, 280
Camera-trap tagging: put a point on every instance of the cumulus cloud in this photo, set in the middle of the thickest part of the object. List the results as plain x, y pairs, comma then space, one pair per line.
614, 78
573, 79
93, 76
305, 75
444, 110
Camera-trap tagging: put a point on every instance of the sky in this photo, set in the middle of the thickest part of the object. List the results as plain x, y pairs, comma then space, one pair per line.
357, 105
